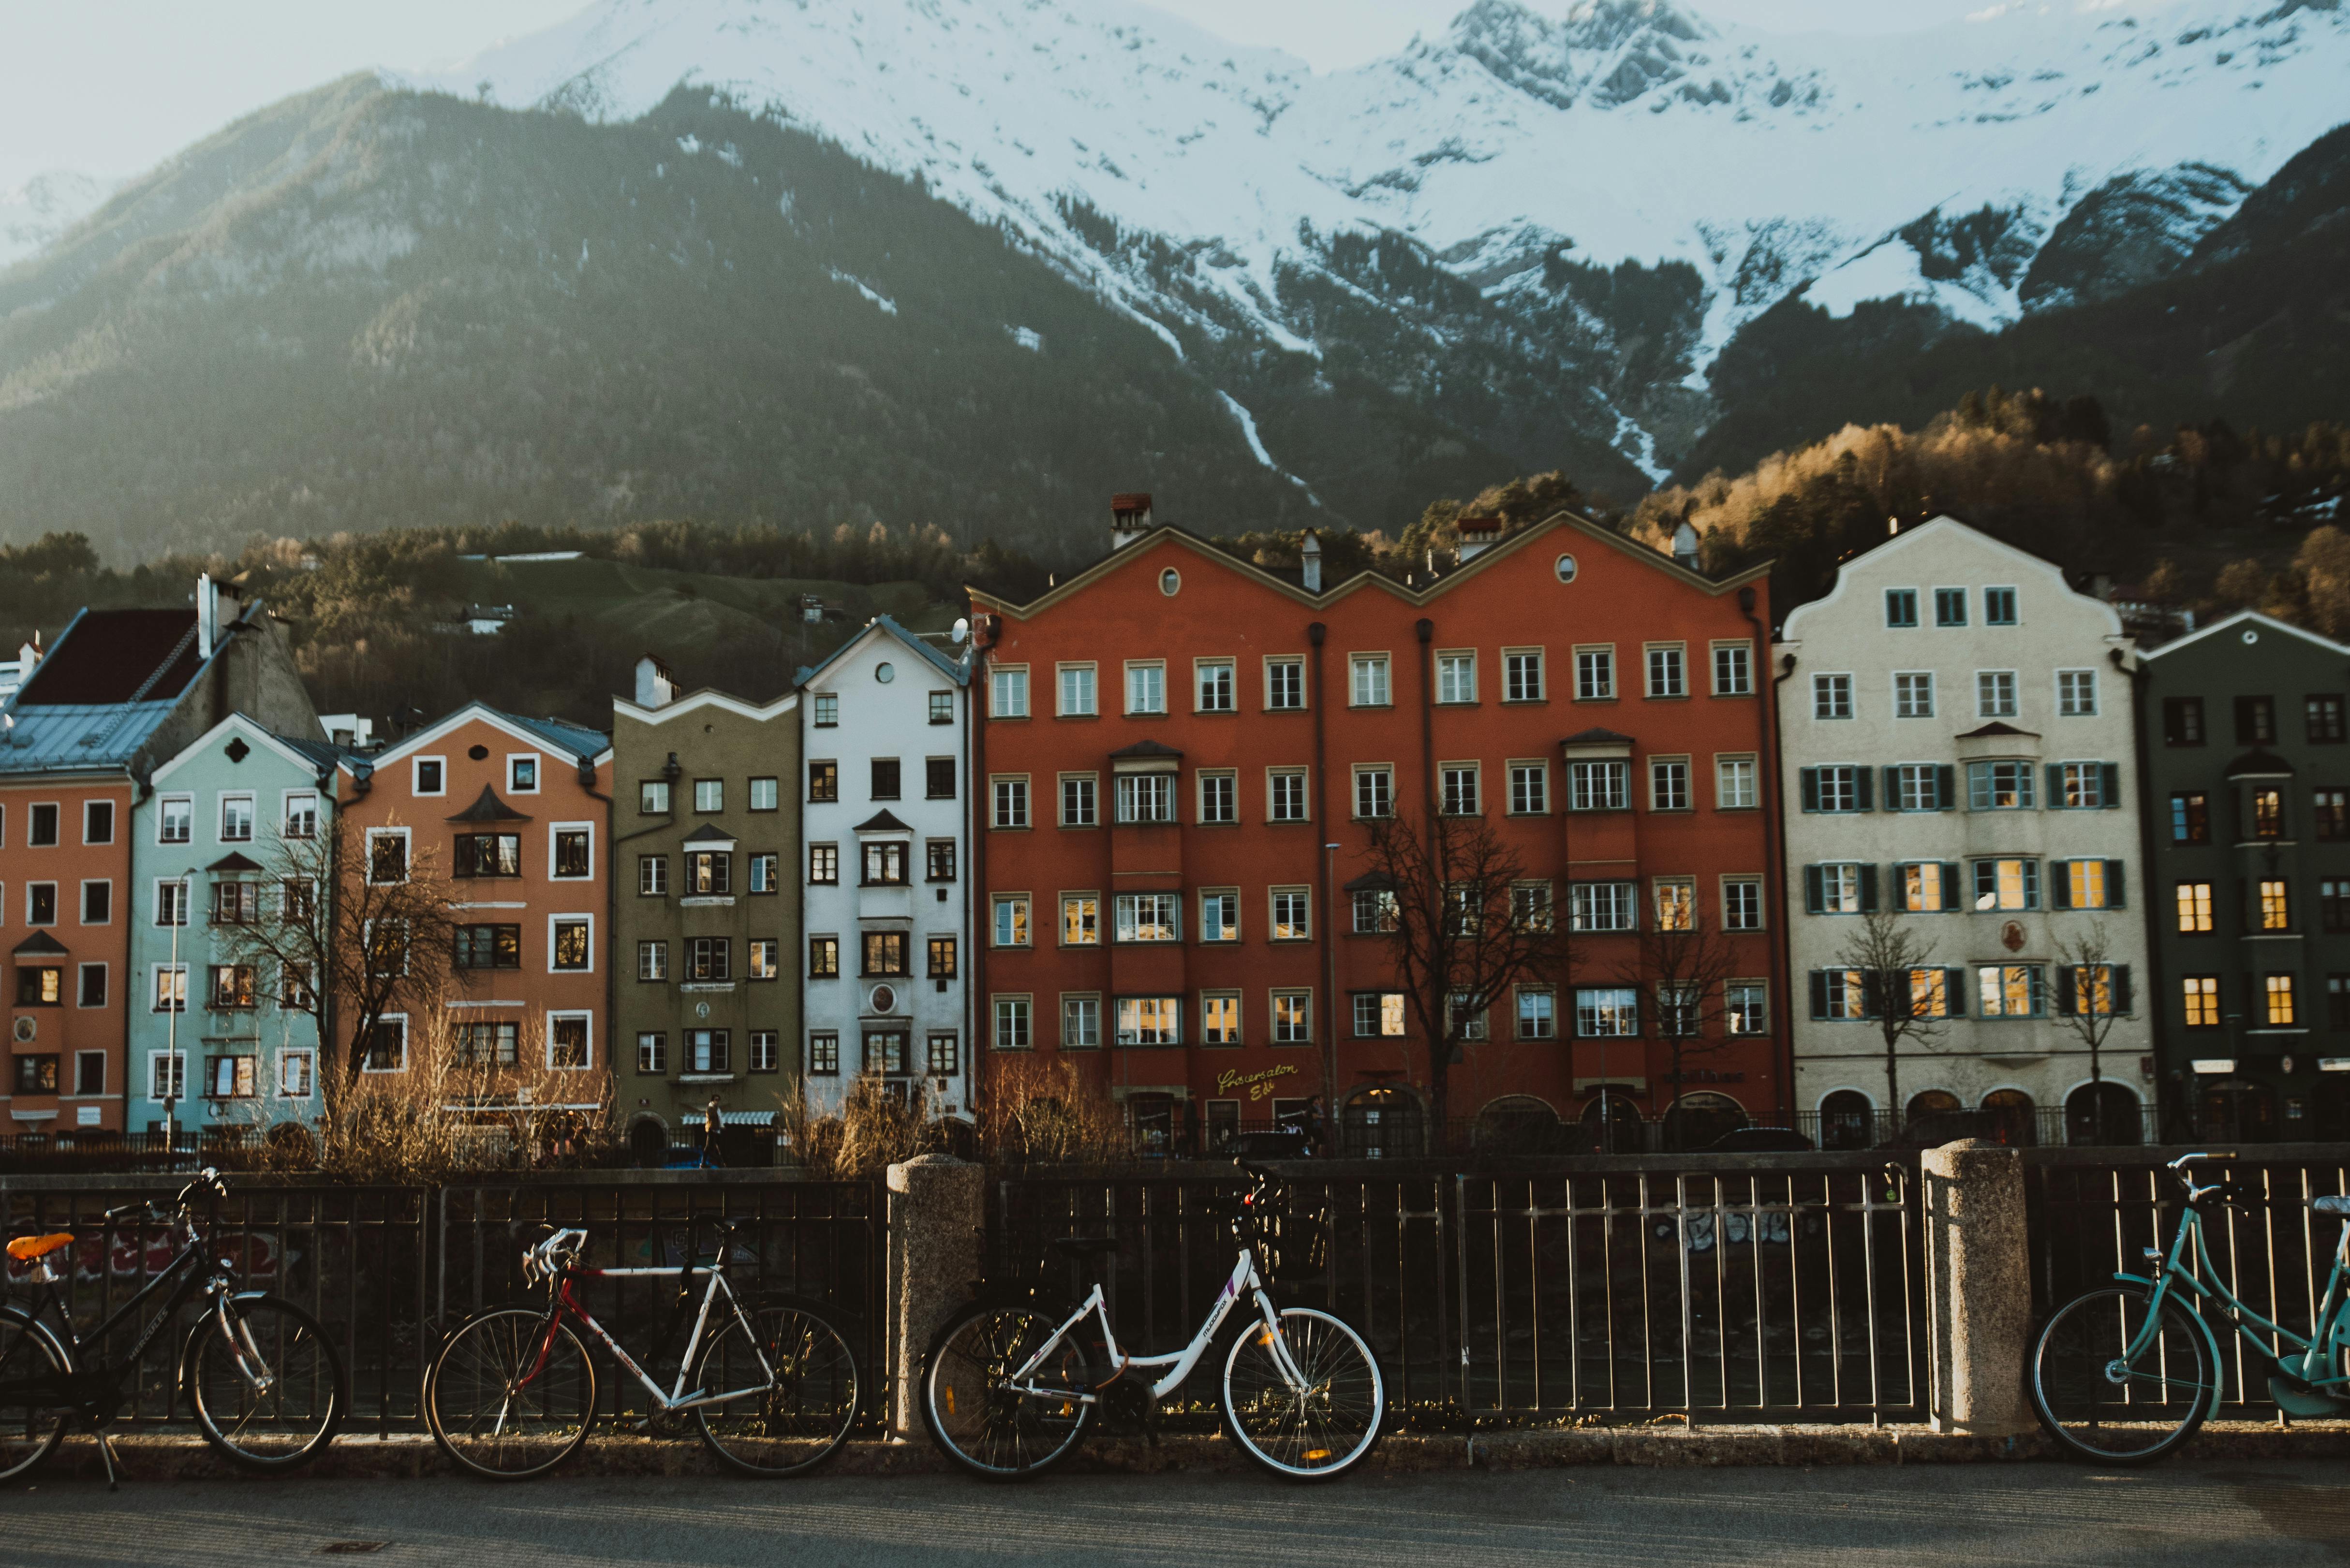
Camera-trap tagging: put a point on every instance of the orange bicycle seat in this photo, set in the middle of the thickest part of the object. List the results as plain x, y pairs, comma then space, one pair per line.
25, 1248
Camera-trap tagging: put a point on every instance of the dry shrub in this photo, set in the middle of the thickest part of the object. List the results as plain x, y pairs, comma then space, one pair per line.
1048, 1113
875, 1129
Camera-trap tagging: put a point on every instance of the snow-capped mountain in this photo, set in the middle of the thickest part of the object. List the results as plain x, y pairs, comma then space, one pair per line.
43, 207
2039, 154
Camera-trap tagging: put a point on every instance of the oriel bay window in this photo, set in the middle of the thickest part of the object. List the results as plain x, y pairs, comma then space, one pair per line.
1603, 906
708, 1050
496, 1044
885, 953
1598, 786
2272, 905
40, 985
885, 863
487, 854
491, 947
2264, 812
709, 874
235, 903
2007, 884
229, 1077
1149, 1020
2012, 990
232, 988
709, 960
1999, 786
1149, 917
1146, 797
1605, 1011
2087, 884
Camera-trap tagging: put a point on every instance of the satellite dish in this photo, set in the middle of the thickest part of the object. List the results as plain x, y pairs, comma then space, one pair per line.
962, 630
1986, 900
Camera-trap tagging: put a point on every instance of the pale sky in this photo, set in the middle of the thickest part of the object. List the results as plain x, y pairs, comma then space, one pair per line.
112, 87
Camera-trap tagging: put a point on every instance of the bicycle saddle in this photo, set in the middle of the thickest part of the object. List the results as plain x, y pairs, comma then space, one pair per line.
1085, 1246
25, 1248
2336, 1205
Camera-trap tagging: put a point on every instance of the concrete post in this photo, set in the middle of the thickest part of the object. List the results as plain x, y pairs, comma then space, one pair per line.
1979, 1287
938, 1204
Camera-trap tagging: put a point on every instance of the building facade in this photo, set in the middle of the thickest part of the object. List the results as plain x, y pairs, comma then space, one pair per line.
1185, 760
2248, 760
706, 912
1958, 752
513, 815
220, 1038
121, 692
885, 883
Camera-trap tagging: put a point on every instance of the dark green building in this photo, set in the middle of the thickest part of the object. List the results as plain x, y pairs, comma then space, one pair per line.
2248, 773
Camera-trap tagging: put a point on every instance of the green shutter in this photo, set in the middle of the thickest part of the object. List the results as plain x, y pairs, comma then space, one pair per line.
2064, 999
1865, 781
1946, 788
1892, 787
2112, 785
1819, 994
1954, 987
2115, 887
1811, 788
2122, 999
2060, 885
1868, 889
1954, 895
1814, 895
2056, 787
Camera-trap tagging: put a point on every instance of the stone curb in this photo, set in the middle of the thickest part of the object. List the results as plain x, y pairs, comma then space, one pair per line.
152, 1456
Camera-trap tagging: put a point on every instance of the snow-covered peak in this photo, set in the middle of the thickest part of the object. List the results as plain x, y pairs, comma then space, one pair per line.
43, 207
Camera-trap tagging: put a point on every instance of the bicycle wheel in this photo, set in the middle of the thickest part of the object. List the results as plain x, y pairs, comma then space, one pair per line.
1318, 1426
512, 1394
265, 1383
981, 1422
803, 1383
2102, 1407
30, 1433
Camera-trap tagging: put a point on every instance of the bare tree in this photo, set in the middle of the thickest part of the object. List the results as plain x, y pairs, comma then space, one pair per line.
2091, 999
350, 931
1686, 961
1465, 924
1898, 989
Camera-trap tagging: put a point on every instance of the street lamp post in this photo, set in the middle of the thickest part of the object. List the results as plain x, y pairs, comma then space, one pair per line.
174, 1077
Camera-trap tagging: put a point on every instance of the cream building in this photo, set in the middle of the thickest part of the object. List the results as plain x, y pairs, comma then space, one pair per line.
1957, 750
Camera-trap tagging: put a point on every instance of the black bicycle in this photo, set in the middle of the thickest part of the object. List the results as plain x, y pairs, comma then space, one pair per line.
262, 1377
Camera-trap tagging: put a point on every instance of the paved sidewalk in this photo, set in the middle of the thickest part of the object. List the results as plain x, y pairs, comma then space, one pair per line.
2032, 1516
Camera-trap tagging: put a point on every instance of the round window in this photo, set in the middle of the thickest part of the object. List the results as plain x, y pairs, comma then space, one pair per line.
2251, 636
1169, 581
478, 754
885, 673
885, 999
1567, 568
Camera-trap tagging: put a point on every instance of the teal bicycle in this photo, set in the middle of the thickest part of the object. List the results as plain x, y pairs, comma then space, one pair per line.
2126, 1373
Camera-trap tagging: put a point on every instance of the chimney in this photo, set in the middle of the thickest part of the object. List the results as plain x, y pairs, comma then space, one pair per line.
1685, 546
1309, 561
1478, 534
656, 687
207, 615
1130, 518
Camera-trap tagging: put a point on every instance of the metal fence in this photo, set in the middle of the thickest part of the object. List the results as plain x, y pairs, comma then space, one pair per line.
389, 1270
1747, 1288
2094, 1213
2037, 1126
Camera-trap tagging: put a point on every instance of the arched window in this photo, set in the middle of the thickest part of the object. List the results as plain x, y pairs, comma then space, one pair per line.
1520, 1123
1847, 1120
1384, 1123
1612, 1123
2011, 1111
2103, 1112
1697, 1119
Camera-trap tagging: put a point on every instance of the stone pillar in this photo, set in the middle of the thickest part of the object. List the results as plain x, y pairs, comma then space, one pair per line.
937, 1206
1979, 1287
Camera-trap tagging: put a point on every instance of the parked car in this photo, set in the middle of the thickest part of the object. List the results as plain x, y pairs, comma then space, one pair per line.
1759, 1140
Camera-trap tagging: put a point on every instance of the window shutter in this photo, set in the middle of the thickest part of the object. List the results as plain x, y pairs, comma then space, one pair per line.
2115, 886
1892, 787
1865, 781
1815, 894
1811, 787
2064, 1003
2121, 988
1868, 889
1954, 896
1819, 994
2060, 885
2056, 787
1872, 992
1946, 788
1954, 987
2112, 785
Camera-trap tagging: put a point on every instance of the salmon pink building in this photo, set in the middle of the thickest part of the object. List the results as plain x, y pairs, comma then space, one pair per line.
1181, 758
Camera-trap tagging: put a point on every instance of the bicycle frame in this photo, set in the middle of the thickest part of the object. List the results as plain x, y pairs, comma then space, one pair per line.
565, 1305
2329, 1325
1181, 1364
85, 1386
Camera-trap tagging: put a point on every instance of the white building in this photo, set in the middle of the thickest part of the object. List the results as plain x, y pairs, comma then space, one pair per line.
885, 907
1956, 750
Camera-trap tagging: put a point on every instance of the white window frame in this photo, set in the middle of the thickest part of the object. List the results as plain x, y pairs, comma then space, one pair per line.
1355, 799
1005, 1007
1232, 897
1082, 999
1451, 665
1724, 797
1823, 688
586, 1016
401, 1020
288, 801
1289, 662
1516, 769
1222, 776
163, 804
1086, 675
253, 815
1657, 767
1744, 664
1146, 677
1303, 791
416, 777
407, 855
308, 1057
1677, 661
158, 1090
1608, 689
1008, 680
1303, 930
1304, 999
1372, 672
1537, 662
1202, 669
1906, 695
553, 828
555, 919
1984, 707
1233, 1031
1024, 924
2095, 704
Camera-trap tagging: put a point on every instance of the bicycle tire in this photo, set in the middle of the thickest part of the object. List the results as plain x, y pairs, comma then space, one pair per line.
805, 1411
489, 1371
986, 1429
1321, 1431
281, 1427
2070, 1379
29, 1434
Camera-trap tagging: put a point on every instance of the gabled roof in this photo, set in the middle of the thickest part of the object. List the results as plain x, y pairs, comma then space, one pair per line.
2252, 618
1370, 882
881, 822
708, 833
1147, 748
1597, 737
1934, 528
488, 807
315, 756
1486, 560
233, 861
567, 740
39, 944
705, 696
1996, 729
2258, 763
117, 656
956, 670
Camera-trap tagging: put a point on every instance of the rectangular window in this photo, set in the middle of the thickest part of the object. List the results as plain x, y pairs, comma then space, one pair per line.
708, 1050
885, 863
40, 903
1293, 1018
1599, 786
884, 781
1370, 687
1735, 783
1146, 688
1667, 677
496, 947
824, 1053
1213, 686
1008, 692
2201, 992
234, 903
1840, 786
2084, 786
1219, 797
2011, 884
1676, 904
2076, 693
301, 819
1377, 1014
938, 856
41, 826
1901, 606
2182, 721
572, 948
1924, 889
882, 954
1286, 795
237, 819
2275, 906
941, 955
1220, 1018
1011, 795
2276, 1001
1011, 920
1456, 677
652, 961
1374, 911
1913, 694
1950, 606
766, 871
97, 903
2191, 817
170, 988
2323, 709
91, 987
1741, 904
1458, 783
652, 1053
943, 711
1293, 915
824, 958
1150, 1020
174, 816
1999, 786
2255, 721
827, 714
498, 1044
1081, 1022
1079, 698
2012, 990
1537, 1013
41, 985
1220, 915
1522, 676
296, 1072
1668, 784
824, 782
1602, 905
765, 957
937, 778
2330, 815
824, 864
1149, 917
2089, 884
1373, 791
1733, 669
1595, 674
2267, 813
1841, 888
1080, 920
1916, 786
1831, 696
430, 775
710, 794
1285, 684
1146, 797
885, 1052
2332, 904
765, 794
1602, 1012
1746, 1007
942, 1055
1995, 693
2338, 1003
1999, 606
1529, 789
486, 854
652, 797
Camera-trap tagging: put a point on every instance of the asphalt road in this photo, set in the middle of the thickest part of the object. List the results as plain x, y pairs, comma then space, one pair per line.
2032, 1516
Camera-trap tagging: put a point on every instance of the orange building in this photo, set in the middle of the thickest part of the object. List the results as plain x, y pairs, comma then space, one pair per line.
1181, 756
513, 814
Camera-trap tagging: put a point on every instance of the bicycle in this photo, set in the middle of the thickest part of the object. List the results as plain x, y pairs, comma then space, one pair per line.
264, 1382
773, 1387
1006, 1394
2126, 1373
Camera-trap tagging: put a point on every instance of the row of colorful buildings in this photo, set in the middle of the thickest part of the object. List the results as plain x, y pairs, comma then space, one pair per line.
1147, 825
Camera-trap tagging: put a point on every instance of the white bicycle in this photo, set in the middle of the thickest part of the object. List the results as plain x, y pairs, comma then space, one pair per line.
1007, 1393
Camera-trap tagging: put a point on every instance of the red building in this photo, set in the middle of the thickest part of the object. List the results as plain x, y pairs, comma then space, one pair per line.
1182, 754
